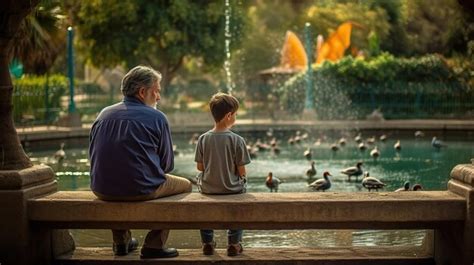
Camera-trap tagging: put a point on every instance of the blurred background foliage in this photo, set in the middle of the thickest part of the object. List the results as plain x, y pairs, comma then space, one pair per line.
398, 87
185, 40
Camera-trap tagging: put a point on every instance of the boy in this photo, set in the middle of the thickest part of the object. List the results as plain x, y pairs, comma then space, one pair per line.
221, 156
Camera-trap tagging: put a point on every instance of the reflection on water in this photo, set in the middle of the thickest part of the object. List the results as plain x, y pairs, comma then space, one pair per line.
418, 162
270, 238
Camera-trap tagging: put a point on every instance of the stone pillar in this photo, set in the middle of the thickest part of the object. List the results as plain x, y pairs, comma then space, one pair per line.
20, 242
454, 243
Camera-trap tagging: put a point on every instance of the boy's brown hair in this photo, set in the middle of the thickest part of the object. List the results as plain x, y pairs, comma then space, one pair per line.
221, 104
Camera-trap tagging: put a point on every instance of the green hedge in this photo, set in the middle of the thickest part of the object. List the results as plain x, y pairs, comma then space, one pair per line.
37, 99
401, 88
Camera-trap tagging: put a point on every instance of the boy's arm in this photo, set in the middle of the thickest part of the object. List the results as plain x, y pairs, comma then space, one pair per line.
200, 166
241, 171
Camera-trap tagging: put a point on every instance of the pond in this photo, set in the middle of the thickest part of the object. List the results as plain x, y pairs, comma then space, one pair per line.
417, 162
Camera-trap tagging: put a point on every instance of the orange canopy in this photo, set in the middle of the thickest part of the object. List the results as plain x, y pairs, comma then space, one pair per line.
293, 54
333, 49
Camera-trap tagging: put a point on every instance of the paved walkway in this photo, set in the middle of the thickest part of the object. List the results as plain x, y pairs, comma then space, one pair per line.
37, 133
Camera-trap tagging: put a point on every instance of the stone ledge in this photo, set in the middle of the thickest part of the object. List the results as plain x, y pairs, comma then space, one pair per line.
301, 256
424, 209
18, 179
464, 173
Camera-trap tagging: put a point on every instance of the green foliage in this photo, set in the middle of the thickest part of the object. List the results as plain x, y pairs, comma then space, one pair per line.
396, 40
408, 88
374, 44
38, 98
388, 68
159, 33
292, 94
431, 26
267, 24
41, 37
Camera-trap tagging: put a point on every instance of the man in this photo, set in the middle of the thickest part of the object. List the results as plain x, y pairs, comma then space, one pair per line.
131, 153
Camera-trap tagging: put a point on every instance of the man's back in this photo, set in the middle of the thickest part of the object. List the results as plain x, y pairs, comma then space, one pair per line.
130, 149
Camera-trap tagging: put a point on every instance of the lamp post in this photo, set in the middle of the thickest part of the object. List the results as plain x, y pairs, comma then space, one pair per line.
309, 103
70, 68
73, 119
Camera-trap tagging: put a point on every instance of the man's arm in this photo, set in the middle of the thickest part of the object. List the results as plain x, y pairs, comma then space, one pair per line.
165, 150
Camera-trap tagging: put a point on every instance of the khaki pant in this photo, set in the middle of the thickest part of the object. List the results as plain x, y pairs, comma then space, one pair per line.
155, 238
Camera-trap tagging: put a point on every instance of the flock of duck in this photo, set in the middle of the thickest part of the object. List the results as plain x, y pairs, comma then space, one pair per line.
323, 184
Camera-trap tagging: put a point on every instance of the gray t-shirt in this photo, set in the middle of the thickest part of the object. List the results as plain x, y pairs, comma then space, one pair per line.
221, 153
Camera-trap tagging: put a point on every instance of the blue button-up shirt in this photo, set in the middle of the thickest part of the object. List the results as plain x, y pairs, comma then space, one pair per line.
130, 149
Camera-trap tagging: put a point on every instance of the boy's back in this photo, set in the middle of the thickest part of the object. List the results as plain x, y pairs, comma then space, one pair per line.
221, 154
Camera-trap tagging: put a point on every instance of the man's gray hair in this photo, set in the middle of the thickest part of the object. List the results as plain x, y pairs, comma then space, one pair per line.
139, 76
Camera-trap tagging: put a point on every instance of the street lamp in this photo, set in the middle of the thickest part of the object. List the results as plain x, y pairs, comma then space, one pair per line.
70, 68
309, 102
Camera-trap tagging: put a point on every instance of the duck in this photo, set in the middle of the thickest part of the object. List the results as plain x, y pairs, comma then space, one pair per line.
342, 141
291, 141
334, 147
317, 142
397, 146
417, 187
358, 138
321, 184
175, 150
308, 153
311, 172
375, 153
383, 137
362, 146
194, 139
353, 171
276, 150
272, 182
304, 136
262, 146
252, 151
371, 183
371, 140
60, 154
437, 143
270, 132
419, 134
406, 187
273, 142
298, 137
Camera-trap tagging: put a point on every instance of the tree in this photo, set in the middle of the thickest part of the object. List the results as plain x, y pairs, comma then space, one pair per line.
12, 14
41, 38
265, 34
159, 33
396, 40
431, 26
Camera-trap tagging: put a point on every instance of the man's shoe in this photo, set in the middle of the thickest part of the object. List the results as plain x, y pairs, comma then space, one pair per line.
154, 253
123, 249
234, 249
208, 248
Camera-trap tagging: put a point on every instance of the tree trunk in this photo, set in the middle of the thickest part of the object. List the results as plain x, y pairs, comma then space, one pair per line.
12, 155
168, 72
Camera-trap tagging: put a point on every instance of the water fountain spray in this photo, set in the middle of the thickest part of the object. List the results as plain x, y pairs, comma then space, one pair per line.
228, 36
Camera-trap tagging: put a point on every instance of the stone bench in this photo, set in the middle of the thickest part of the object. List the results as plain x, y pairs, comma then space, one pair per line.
330, 210
35, 211
375, 210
